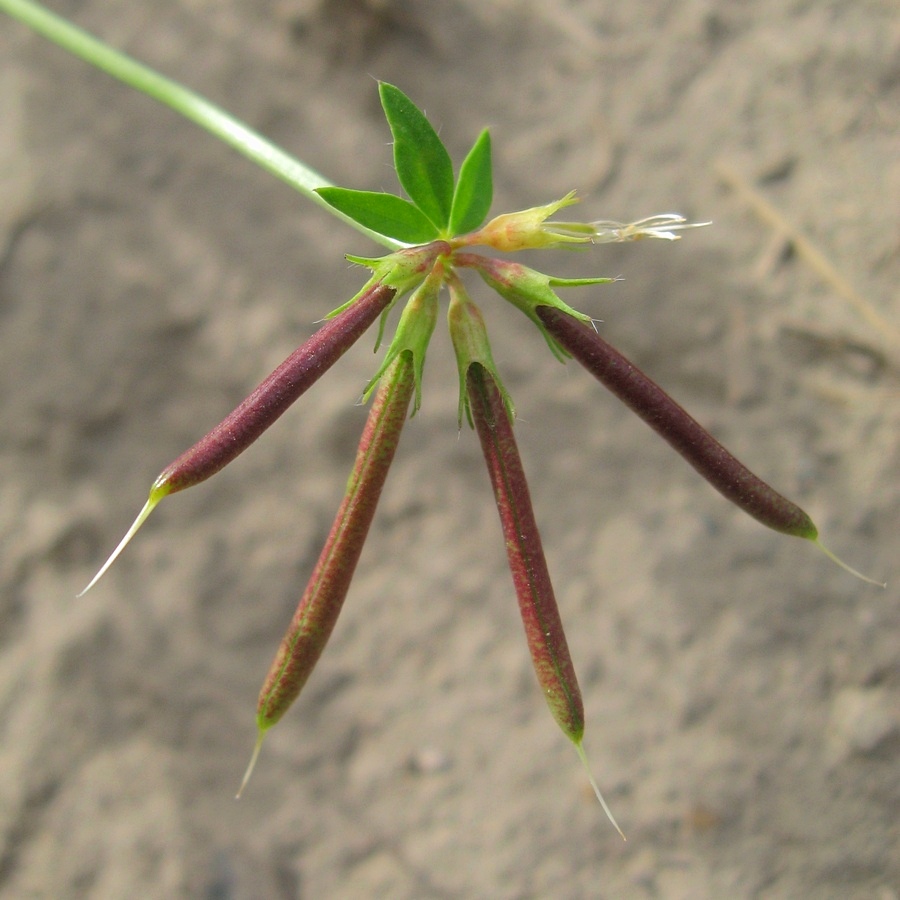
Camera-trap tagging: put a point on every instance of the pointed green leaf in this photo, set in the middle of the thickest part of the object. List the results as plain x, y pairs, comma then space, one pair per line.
386, 214
474, 188
422, 162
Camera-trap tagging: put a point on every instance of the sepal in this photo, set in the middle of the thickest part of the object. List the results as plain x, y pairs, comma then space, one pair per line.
414, 331
527, 289
470, 342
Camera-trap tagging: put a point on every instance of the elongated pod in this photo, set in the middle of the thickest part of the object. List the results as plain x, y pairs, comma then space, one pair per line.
309, 362
240, 428
537, 602
324, 596
670, 421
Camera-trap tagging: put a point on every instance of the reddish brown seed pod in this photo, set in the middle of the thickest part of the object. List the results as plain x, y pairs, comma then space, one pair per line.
531, 577
670, 421
537, 602
324, 596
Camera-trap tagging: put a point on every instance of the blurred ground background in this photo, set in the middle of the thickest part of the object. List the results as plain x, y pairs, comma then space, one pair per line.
741, 691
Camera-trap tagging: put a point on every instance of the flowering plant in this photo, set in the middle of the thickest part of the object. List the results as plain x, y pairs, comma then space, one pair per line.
434, 234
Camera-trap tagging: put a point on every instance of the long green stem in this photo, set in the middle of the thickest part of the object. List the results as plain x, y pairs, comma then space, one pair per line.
192, 106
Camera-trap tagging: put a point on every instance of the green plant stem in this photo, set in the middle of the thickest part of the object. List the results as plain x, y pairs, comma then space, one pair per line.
192, 106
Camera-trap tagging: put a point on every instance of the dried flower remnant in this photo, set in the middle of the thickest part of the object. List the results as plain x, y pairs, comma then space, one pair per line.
665, 226
530, 229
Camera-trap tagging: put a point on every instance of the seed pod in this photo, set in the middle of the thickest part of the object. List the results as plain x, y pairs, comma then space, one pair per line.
649, 401
323, 598
265, 405
537, 603
272, 397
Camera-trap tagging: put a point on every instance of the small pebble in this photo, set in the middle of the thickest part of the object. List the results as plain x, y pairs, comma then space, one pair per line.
429, 761
862, 719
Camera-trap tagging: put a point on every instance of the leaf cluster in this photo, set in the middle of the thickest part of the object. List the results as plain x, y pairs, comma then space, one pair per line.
439, 207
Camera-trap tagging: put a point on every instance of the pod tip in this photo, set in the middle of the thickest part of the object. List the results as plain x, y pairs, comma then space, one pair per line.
251, 765
838, 561
579, 749
141, 518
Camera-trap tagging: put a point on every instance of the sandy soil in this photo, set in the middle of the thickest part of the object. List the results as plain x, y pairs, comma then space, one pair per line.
741, 691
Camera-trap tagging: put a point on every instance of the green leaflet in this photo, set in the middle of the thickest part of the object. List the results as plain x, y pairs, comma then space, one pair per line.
422, 162
386, 214
474, 188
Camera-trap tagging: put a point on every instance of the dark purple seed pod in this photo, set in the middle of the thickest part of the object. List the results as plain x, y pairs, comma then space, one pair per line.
667, 418
240, 428
275, 394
